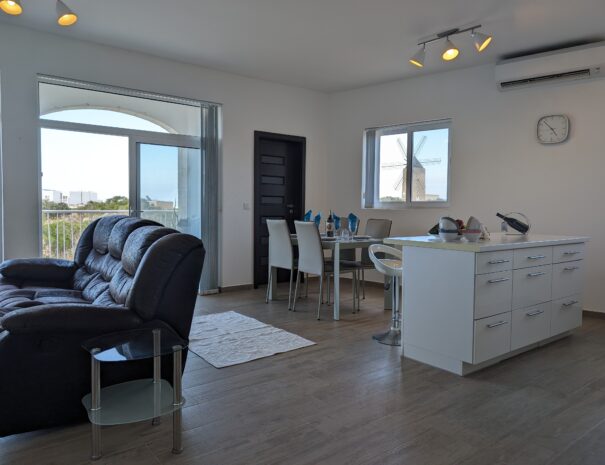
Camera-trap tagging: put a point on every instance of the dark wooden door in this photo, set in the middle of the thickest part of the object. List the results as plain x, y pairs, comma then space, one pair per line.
279, 191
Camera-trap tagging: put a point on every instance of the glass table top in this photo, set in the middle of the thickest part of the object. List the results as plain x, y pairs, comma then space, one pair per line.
136, 344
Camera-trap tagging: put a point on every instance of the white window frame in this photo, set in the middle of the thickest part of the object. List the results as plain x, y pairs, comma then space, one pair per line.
371, 166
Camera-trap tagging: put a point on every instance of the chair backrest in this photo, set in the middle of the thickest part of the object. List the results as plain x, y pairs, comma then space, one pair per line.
387, 266
310, 253
376, 228
280, 244
139, 264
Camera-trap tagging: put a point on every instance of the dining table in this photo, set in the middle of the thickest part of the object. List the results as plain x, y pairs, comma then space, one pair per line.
335, 244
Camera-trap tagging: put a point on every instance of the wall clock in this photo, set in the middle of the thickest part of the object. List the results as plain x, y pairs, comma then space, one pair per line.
553, 129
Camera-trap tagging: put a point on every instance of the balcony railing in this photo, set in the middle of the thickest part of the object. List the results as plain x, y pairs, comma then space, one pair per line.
61, 229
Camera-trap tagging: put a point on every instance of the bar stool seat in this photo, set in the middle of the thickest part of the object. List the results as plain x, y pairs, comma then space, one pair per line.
392, 267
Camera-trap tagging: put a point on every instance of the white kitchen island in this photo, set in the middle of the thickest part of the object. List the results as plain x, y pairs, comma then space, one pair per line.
470, 305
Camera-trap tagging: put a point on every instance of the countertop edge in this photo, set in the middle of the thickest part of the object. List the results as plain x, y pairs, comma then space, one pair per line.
484, 246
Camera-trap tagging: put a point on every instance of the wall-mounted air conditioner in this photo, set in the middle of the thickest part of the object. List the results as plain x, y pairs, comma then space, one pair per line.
569, 64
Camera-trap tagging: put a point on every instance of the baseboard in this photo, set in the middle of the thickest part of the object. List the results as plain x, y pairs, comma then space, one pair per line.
593, 313
239, 287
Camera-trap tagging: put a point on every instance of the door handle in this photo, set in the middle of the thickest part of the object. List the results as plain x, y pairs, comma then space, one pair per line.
536, 257
570, 303
532, 275
570, 268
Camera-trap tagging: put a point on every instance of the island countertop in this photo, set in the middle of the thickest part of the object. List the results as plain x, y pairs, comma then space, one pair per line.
498, 241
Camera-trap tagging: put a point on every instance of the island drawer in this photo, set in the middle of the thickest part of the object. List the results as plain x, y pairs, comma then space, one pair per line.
491, 337
567, 252
532, 286
535, 256
530, 325
491, 262
493, 293
566, 314
567, 279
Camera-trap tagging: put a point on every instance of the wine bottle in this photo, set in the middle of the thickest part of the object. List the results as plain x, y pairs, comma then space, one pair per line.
514, 223
330, 225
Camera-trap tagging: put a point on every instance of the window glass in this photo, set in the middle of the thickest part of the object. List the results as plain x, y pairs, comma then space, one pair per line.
393, 166
430, 165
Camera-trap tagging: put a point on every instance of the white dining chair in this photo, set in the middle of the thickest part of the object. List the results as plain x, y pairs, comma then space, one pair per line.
393, 267
281, 254
311, 260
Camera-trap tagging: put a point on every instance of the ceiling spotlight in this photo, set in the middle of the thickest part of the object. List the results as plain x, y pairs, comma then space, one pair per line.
418, 58
450, 51
481, 40
11, 7
65, 17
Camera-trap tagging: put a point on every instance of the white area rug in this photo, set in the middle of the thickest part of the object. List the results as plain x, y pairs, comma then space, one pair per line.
225, 339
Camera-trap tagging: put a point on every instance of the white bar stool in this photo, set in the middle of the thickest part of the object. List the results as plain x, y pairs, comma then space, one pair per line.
392, 267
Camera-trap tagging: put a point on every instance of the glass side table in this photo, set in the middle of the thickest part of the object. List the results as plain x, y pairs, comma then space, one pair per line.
138, 400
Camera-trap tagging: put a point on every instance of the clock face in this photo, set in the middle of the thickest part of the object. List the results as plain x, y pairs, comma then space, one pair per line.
553, 129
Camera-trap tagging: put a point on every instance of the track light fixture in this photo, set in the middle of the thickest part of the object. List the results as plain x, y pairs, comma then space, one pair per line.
65, 16
449, 51
11, 7
418, 58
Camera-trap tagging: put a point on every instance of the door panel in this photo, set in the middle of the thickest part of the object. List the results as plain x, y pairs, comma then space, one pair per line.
279, 166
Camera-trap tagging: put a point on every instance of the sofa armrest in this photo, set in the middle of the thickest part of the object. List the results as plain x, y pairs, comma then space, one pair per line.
69, 318
38, 269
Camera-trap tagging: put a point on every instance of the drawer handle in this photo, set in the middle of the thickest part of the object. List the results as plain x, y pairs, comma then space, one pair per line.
570, 303
497, 262
539, 273
499, 280
500, 323
535, 313
570, 268
536, 257
571, 252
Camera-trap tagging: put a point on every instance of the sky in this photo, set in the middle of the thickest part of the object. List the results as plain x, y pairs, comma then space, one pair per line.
78, 161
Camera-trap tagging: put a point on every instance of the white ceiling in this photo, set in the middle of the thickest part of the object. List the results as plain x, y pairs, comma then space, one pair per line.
326, 45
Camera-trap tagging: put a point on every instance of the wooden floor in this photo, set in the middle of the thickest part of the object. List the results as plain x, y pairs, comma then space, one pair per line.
349, 400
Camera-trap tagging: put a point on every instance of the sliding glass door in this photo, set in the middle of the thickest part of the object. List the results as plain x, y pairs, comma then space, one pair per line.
170, 186
107, 150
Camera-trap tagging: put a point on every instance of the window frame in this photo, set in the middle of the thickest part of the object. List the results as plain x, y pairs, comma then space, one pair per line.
371, 165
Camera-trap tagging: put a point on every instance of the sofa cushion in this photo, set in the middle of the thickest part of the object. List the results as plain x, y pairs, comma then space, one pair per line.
121, 231
100, 238
137, 244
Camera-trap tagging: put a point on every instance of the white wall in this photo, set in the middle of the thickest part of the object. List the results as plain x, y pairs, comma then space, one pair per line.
248, 105
497, 164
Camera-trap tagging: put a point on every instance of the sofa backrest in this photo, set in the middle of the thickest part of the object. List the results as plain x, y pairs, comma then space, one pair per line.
132, 262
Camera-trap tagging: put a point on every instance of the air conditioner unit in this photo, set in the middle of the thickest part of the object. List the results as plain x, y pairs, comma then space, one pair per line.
569, 64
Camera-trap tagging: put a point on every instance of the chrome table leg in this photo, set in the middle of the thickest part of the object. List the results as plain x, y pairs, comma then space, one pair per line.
157, 375
177, 415
95, 407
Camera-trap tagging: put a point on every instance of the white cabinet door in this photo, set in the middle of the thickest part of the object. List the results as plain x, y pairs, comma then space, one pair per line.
491, 337
531, 286
491, 262
568, 253
493, 293
567, 279
566, 314
534, 256
530, 325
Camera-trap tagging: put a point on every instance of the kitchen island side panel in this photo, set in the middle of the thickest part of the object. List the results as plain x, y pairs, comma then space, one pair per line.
438, 299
